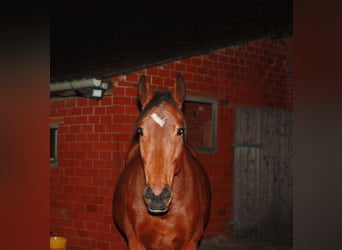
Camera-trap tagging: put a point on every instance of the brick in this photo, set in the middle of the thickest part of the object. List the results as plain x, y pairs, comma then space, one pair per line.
93, 137
117, 127
80, 119
91, 209
106, 119
93, 102
105, 137
180, 67
171, 67
57, 103
61, 112
106, 100
99, 128
99, 181
164, 73
122, 118
71, 137
132, 78
99, 110
213, 57
196, 61
102, 146
152, 71
93, 119
203, 70
122, 100
105, 191
156, 80
82, 233
207, 64
213, 72
90, 225
131, 91
102, 245
104, 155
82, 102
131, 110
92, 171
233, 60
117, 109
87, 110
118, 91
93, 155
75, 111
70, 103
87, 128
87, 146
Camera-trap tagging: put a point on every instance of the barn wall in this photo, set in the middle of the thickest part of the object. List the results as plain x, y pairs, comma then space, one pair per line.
94, 136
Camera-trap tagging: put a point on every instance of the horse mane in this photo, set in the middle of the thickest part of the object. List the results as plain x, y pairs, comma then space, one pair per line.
156, 100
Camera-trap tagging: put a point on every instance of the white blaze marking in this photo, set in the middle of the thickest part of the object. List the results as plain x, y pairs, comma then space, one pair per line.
158, 120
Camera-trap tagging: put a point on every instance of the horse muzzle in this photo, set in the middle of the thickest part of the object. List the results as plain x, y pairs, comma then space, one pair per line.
157, 204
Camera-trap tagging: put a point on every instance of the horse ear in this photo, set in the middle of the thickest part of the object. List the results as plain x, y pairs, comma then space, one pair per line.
178, 93
143, 92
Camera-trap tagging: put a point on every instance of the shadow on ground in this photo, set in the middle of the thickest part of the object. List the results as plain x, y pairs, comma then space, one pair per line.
222, 242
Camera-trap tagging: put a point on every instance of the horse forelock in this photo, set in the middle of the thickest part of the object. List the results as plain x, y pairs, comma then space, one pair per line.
156, 100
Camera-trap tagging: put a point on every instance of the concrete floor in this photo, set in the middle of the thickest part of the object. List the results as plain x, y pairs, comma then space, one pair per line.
221, 242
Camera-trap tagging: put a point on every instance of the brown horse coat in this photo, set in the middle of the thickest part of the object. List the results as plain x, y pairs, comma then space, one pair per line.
177, 183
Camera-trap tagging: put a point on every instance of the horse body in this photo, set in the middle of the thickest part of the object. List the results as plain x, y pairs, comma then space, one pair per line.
158, 207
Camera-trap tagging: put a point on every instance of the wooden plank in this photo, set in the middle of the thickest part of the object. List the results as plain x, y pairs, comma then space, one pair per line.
275, 129
246, 169
285, 175
244, 210
247, 121
269, 166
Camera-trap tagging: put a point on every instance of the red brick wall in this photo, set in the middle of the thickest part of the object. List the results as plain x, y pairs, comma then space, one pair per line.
94, 135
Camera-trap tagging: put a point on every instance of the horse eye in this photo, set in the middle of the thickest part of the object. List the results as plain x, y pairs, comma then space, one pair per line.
180, 131
140, 131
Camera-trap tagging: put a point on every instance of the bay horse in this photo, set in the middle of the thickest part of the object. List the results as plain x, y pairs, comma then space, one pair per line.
162, 197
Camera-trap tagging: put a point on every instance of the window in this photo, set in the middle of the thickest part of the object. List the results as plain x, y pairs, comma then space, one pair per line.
53, 144
201, 117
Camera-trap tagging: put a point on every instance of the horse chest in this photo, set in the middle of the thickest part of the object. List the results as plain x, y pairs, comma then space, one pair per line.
163, 235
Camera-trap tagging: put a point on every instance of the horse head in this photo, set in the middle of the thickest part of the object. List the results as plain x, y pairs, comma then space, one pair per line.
161, 130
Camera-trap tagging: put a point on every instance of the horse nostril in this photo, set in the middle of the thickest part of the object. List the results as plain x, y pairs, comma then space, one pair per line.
166, 193
148, 193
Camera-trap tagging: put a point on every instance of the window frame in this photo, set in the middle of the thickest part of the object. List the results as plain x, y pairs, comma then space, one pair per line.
214, 106
54, 160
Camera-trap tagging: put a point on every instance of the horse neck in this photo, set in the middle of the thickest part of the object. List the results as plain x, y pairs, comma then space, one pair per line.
181, 180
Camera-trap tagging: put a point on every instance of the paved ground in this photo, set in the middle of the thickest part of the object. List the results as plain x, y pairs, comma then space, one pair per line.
221, 242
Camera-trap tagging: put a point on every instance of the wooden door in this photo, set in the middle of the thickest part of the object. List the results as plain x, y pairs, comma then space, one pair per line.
262, 176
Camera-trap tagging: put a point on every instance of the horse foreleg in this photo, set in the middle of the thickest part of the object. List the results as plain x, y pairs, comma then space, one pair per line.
134, 244
192, 245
